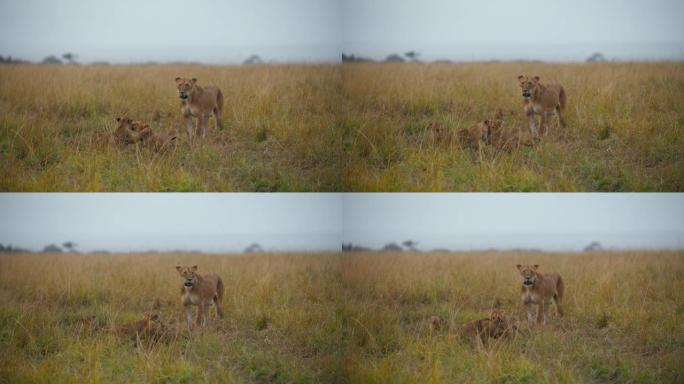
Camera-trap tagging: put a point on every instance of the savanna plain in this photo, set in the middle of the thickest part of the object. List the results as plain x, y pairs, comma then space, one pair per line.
279, 130
357, 317
625, 127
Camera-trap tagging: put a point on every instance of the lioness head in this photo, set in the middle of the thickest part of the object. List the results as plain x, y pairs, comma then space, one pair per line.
529, 274
185, 87
528, 84
188, 274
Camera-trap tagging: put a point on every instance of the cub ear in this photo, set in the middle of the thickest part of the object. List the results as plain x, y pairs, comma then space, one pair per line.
194, 268
520, 77
519, 267
194, 80
535, 266
178, 79
536, 78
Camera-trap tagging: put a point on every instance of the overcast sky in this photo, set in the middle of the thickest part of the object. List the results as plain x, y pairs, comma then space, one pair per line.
321, 221
556, 221
227, 31
138, 222
215, 31
524, 29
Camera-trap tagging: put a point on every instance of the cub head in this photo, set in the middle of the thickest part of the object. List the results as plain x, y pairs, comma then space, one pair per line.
497, 315
151, 317
185, 86
138, 126
528, 84
528, 273
189, 275
123, 130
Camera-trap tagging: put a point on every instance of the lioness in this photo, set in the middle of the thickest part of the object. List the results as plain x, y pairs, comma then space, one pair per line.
539, 289
200, 291
542, 99
199, 102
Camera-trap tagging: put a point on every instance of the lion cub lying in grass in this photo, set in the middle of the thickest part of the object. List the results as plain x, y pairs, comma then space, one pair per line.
497, 325
150, 328
497, 134
132, 131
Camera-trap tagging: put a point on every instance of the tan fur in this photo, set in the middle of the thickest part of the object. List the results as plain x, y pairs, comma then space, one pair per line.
132, 131
473, 137
493, 327
149, 328
507, 137
540, 289
543, 100
201, 291
199, 102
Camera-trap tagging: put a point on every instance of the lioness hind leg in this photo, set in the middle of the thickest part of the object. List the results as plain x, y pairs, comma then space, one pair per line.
217, 116
557, 301
561, 121
219, 312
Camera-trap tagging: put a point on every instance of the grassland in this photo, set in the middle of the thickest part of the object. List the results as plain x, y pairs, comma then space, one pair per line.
280, 324
354, 317
625, 128
623, 323
280, 130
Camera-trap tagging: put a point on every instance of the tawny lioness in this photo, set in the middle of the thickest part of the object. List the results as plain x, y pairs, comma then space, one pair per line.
199, 102
540, 289
201, 291
543, 100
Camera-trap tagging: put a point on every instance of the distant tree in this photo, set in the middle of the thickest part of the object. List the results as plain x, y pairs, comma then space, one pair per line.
593, 246
394, 58
392, 247
252, 60
351, 58
413, 56
253, 248
70, 246
70, 57
411, 245
596, 57
52, 249
51, 60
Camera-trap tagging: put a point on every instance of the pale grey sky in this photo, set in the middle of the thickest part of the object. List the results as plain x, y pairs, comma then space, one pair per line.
214, 31
552, 221
145, 221
553, 30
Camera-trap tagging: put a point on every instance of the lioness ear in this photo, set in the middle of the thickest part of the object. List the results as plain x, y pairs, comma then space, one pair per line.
520, 77
194, 268
536, 78
194, 80
535, 266
519, 267
178, 79
178, 268
118, 119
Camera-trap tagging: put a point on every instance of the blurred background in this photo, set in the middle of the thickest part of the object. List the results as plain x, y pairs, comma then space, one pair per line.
513, 221
206, 31
142, 222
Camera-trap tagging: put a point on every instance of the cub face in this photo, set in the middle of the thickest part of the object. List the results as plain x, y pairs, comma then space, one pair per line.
528, 273
497, 315
184, 86
189, 275
528, 84
123, 130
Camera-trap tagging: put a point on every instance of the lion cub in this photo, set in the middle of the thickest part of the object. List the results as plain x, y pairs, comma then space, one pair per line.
150, 327
543, 100
132, 131
494, 327
540, 289
199, 102
201, 291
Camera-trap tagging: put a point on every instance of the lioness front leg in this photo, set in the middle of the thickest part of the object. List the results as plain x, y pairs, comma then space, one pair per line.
530, 119
541, 315
530, 315
188, 314
188, 125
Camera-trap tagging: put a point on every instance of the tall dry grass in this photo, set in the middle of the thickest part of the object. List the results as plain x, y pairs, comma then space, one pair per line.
280, 322
623, 321
280, 129
625, 128
354, 317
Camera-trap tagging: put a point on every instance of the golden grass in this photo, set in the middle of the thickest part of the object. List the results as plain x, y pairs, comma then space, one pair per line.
280, 130
354, 317
624, 318
625, 128
279, 326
